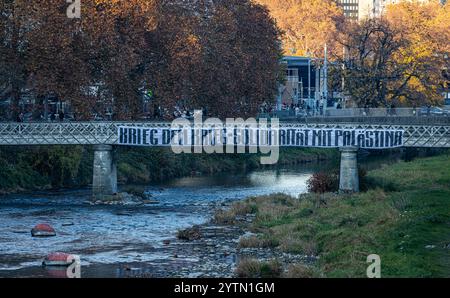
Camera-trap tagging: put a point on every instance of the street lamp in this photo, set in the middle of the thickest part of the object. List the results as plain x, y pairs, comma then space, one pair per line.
324, 95
309, 77
325, 80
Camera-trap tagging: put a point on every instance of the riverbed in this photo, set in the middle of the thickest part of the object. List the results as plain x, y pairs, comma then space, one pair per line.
113, 241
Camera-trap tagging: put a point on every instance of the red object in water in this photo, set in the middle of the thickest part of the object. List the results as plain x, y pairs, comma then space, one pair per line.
56, 271
58, 259
43, 230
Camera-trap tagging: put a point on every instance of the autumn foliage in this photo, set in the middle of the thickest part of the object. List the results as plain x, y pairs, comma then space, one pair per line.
221, 56
398, 59
323, 182
307, 25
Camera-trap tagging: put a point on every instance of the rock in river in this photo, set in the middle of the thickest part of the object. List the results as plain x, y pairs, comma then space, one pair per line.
58, 259
190, 234
43, 230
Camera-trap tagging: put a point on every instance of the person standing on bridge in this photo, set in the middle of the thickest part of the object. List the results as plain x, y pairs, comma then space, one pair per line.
20, 117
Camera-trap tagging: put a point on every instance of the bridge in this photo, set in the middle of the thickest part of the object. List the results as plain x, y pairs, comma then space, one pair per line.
429, 132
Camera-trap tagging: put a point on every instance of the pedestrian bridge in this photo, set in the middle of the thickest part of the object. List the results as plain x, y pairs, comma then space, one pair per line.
430, 132
418, 132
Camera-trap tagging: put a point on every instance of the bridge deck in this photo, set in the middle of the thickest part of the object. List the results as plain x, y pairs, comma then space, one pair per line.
419, 132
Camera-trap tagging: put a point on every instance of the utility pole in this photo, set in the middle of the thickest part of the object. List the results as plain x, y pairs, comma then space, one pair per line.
343, 98
280, 97
309, 78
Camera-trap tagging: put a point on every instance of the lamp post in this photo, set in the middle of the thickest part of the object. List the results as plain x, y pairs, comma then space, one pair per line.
325, 80
309, 78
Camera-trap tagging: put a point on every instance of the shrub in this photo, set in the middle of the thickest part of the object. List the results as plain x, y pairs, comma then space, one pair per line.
251, 268
329, 182
271, 269
299, 271
323, 182
248, 268
230, 215
224, 217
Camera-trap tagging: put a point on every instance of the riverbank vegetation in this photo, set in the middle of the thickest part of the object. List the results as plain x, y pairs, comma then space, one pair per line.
403, 217
32, 168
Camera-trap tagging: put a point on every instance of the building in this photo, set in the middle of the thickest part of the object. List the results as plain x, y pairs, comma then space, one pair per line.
305, 84
350, 7
362, 9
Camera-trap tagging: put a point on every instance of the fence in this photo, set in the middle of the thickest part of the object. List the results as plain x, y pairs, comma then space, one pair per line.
377, 112
349, 112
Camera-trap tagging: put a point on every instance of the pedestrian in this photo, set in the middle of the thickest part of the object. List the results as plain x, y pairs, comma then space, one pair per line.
61, 116
20, 117
52, 117
393, 109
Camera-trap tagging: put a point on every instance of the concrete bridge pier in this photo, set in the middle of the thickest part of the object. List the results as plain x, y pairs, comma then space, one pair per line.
349, 177
104, 182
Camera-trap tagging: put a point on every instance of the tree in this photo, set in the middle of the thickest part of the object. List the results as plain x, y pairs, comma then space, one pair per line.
307, 24
398, 58
13, 55
241, 59
220, 55
86, 61
369, 67
426, 27
224, 59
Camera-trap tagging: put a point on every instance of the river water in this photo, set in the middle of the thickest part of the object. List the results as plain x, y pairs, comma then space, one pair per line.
127, 234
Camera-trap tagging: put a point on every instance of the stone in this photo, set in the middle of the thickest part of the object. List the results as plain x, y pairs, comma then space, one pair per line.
190, 234
348, 178
43, 230
104, 181
121, 213
150, 202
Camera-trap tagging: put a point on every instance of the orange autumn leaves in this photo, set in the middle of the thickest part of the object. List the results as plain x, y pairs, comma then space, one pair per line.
307, 24
406, 71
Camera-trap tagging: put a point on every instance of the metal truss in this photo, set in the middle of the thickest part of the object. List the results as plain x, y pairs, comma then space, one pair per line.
96, 133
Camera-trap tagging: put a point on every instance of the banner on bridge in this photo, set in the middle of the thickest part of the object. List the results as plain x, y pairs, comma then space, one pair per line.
284, 137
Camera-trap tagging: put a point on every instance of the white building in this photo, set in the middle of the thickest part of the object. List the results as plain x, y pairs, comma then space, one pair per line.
363, 9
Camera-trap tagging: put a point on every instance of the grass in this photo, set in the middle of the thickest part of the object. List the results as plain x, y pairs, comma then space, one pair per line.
404, 218
257, 242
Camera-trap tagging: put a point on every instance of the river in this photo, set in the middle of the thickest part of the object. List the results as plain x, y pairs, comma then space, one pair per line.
111, 235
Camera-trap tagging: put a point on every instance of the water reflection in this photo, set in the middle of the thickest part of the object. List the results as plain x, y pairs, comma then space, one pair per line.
108, 234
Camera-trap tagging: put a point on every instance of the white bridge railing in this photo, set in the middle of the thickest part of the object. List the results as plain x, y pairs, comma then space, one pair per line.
95, 133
